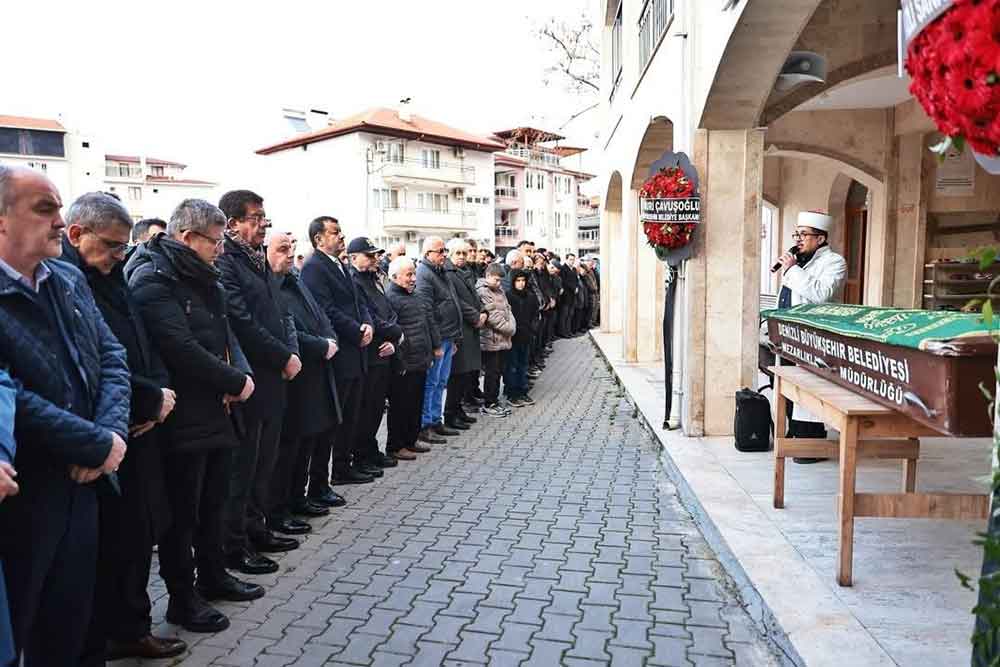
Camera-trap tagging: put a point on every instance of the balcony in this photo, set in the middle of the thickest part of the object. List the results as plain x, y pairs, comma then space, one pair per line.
534, 155
417, 171
506, 197
129, 172
656, 17
412, 219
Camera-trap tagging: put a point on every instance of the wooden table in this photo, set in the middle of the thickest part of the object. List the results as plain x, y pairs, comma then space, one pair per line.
861, 422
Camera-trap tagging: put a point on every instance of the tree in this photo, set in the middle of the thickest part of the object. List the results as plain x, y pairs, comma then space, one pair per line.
575, 59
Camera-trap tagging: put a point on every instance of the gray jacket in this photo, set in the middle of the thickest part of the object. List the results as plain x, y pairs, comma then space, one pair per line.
500, 324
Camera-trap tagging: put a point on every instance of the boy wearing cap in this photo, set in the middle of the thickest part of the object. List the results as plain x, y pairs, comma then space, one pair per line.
814, 274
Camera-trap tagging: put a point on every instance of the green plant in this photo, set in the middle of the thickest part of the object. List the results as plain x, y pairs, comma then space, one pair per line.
986, 637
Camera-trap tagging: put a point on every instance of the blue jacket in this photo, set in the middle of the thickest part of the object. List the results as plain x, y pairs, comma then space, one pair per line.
51, 436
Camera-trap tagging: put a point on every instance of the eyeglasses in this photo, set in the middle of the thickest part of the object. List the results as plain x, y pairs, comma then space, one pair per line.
797, 236
114, 247
217, 241
436, 252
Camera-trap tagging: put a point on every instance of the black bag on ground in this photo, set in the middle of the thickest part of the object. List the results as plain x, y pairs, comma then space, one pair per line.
753, 424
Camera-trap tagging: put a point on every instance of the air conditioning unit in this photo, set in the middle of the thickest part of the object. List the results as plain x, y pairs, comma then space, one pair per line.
459, 151
459, 193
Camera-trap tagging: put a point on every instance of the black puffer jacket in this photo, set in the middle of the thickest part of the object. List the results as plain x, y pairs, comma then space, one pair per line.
184, 305
417, 353
264, 329
468, 358
524, 305
441, 301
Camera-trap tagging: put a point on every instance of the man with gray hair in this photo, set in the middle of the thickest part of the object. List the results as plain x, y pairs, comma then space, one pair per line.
72, 384
177, 287
97, 234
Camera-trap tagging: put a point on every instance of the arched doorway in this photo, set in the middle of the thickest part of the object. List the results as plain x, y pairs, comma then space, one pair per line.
612, 285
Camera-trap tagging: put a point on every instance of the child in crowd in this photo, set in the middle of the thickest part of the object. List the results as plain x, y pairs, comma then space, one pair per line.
524, 306
495, 337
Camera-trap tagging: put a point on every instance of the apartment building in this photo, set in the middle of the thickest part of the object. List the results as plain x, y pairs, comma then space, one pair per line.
537, 197
152, 187
588, 215
384, 173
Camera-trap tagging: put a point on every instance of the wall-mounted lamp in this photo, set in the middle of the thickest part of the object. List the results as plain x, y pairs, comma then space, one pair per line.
801, 67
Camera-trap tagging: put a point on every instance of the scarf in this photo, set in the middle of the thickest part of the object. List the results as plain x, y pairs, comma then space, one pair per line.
256, 255
185, 260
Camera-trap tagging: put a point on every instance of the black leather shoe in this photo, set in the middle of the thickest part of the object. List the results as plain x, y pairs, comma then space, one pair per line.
248, 562
231, 589
474, 401
191, 612
272, 543
456, 424
369, 469
430, 437
351, 476
385, 461
291, 527
311, 508
330, 498
441, 429
148, 647
466, 418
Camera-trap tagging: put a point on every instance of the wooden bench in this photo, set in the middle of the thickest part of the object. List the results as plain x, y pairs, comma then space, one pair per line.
861, 422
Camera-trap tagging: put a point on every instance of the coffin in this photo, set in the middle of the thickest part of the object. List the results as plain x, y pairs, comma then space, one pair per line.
928, 365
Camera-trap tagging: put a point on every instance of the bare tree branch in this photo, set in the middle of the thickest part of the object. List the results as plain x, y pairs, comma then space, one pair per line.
578, 114
575, 56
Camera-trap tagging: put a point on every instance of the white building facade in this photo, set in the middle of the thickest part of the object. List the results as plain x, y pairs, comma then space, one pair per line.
391, 176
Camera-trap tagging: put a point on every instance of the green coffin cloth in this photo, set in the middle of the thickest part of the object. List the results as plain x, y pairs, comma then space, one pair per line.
892, 326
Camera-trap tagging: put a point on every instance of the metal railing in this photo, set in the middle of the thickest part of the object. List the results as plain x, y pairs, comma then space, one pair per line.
122, 171
506, 192
655, 18
616, 51
423, 218
451, 172
506, 232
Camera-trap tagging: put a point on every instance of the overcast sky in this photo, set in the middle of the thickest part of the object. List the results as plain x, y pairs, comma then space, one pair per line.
203, 82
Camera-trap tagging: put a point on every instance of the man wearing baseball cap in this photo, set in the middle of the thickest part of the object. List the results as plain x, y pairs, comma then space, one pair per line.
813, 274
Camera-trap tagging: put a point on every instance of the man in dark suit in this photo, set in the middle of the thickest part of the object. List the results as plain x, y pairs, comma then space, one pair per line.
328, 280
71, 422
97, 232
313, 411
267, 336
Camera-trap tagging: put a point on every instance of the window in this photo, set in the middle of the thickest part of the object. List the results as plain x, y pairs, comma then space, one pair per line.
31, 142
395, 153
616, 50
768, 247
157, 169
529, 218
124, 170
653, 23
440, 202
431, 159
135, 193
86, 144
385, 198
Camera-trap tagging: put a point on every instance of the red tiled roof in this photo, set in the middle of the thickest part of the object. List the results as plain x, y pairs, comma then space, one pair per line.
509, 160
381, 120
567, 151
21, 122
134, 159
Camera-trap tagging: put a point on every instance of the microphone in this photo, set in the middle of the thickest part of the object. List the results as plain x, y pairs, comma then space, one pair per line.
795, 253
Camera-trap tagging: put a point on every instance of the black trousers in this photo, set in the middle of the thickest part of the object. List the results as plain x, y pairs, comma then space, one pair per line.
197, 487
288, 481
494, 365
459, 385
372, 410
250, 483
50, 567
308, 447
338, 450
580, 319
406, 401
566, 310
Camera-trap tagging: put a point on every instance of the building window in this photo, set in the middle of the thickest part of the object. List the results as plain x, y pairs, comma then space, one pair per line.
157, 170
123, 170
86, 144
385, 198
653, 23
31, 142
135, 193
431, 159
395, 153
616, 50
440, 202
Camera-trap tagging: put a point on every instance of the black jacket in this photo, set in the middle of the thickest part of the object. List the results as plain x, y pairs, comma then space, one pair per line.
264, 329
143, 504
570, 283
417, 353
384, 321
336, 293
441, 301
547, 286
524, 305
313, 406
463, 281
183, 304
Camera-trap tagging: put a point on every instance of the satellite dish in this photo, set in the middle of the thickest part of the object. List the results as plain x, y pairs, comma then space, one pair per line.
801, 67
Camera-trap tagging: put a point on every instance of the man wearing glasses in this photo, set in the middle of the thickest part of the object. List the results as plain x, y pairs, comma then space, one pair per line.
813, 274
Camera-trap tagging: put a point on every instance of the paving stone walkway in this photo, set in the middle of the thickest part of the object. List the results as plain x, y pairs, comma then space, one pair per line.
552, 537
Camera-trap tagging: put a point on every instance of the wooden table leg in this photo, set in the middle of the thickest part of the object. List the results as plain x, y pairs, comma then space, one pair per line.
848, 477
779, 434
910, 474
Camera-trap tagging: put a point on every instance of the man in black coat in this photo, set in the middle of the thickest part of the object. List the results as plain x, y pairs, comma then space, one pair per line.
71, 421
266, 334
416, 354
381, 356
467, 362
329, 282
97, 233
567, 303
313, 411
176, 285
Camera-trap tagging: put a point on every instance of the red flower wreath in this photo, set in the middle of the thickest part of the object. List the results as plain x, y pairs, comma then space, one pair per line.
954, 63
669, 183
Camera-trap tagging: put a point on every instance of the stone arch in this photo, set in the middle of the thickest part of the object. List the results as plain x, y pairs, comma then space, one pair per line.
612, 242
657, 139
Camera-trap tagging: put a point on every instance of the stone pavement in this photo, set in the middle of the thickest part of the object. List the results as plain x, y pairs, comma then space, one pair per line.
551, 537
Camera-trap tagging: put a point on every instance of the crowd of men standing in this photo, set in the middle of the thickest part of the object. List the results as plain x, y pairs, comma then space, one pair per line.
186, 385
